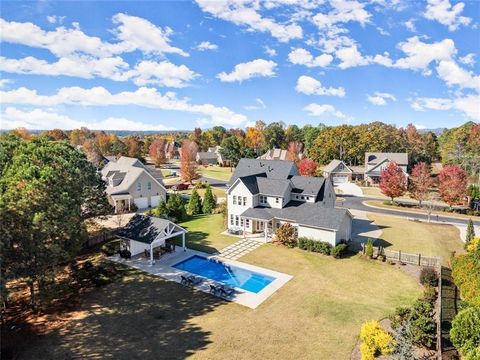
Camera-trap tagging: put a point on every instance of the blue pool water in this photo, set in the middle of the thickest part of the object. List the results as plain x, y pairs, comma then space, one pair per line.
230, 275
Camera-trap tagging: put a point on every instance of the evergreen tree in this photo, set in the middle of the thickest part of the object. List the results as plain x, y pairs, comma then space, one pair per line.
176, 207
470, 233
209, 201
403, 343
194, 206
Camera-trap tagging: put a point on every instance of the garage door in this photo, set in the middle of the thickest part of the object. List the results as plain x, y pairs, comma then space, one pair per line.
155, 200
141, 203
340, 179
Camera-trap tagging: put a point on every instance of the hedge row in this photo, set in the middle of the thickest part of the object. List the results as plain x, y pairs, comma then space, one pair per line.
321, 247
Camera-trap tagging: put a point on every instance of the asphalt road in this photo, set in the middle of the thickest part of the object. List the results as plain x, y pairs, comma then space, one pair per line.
356, 203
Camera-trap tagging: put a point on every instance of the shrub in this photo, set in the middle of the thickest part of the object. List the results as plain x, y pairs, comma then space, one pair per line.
403, 344
194, 206
176, 208
473, 245
302, 243
465, 331
466, 275
470, 233
369, 248
375, 340
111, 248
430, 294
285, 235
400, 316
339, 250
423, 331
428, 276
209, 201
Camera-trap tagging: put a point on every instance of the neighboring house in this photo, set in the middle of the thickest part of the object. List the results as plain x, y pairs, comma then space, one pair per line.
375, 162
146, 233
264, 194
172, 151
339, 172
130, 182
206, 158
277, 154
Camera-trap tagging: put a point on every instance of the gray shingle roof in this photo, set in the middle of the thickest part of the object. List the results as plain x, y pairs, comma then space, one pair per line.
334, 164
145, 229
307, 214
373, 158
273, 169
309, 185
273, 187
207, 155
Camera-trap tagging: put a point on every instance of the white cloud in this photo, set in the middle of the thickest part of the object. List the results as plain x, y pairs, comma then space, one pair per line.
144, 97
133, 33
270, 52
380, 99
468, 59
301, 56
38, 119
350, 57
246, 13
114, 68
206, 45
446, 14
410, 25
258, 106
343, 11
54, 19
323, 109
311, 86
469, 105
248, 70
452, 74
4, 82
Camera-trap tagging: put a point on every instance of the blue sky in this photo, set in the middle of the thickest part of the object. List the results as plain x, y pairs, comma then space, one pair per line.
155, 65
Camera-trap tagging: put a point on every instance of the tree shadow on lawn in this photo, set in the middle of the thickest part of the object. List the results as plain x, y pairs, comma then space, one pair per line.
141, 317
360, 230
197, 240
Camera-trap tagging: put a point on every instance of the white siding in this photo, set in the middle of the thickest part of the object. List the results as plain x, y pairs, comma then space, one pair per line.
317, 234
240, 191
142, 203
155, 200
137, 247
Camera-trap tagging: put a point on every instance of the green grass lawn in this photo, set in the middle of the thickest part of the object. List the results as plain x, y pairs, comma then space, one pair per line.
375, 191
216, 172
219, 193
204, 233
316, 315
416, 237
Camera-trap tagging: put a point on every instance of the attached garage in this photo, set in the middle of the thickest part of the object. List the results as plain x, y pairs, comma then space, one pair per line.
340, 179
155, 200
141, 203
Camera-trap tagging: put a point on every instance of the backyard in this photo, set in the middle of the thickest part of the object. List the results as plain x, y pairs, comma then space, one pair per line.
219, 193
417, 237
216, 172
317, 314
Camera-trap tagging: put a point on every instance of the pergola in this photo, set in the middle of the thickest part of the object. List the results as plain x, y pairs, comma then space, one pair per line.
149, 232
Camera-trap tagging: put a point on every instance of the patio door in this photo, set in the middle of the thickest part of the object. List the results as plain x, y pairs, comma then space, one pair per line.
260, 226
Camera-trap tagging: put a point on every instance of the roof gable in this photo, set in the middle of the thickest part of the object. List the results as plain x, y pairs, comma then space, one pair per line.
146, 229
272, 169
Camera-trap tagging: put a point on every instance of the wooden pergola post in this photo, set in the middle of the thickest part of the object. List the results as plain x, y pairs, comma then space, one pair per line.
183, 242
151, 253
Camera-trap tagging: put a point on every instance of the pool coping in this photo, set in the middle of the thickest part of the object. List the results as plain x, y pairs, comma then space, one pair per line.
164, 269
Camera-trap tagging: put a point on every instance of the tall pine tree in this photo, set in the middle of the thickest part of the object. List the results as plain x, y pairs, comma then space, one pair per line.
194, 206
470, 233
209, 201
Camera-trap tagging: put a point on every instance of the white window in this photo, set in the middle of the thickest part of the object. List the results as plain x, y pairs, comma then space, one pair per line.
234, 200
236, 220
303, 198
241, 222
149, 185
139, 186
231, 220
263, 199
244, 201
277, 200
247, 223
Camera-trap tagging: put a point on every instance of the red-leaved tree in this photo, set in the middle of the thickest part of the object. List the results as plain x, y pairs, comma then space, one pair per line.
188, 163
157, 151
452, 184
307, 167
420, 182
393, 181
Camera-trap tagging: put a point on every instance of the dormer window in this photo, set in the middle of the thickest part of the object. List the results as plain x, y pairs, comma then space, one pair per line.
263, 199
139, 186
277, 200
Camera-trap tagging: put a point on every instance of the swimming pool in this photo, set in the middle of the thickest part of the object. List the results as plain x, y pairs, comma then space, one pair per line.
227, 274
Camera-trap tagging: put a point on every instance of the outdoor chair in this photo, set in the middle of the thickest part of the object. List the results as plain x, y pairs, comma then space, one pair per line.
193, 280
213, 289
226, 291
184, 280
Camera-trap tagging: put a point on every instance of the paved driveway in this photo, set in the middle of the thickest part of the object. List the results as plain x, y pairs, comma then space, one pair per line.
349, 188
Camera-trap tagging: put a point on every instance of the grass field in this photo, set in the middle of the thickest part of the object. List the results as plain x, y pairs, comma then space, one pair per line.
216, 191
375, 191
216, 172
415, 237
316, 315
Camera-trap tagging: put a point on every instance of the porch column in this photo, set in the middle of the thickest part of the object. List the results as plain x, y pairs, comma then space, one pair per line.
183, 242
151, 254
244, 221
115, 206
265, 229
128, 204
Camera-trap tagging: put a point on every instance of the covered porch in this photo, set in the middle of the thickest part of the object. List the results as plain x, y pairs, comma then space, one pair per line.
257, 223
122, 202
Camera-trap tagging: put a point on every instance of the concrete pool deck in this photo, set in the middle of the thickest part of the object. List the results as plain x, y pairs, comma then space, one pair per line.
164, 269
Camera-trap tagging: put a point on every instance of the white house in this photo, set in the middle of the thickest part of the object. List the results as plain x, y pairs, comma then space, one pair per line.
376, 162
130, 182
264, 194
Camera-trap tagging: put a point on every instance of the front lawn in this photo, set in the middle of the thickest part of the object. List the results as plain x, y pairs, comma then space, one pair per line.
219, 193
417, 237
316, 315
376, 192
216, 172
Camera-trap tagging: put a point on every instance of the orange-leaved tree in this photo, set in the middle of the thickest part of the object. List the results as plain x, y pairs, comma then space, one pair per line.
393, 181
188, 164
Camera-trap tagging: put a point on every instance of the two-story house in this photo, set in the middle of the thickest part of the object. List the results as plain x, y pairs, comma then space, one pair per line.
264, 194
130, 182
375, 162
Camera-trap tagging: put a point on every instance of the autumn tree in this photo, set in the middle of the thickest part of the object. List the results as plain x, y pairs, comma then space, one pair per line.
157, 152
56, 134
93, 154
254, 139
22, 133
307, 167
294, 151
452, 184
188, 163
420, 182
134, 147
274, 135
393, 181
